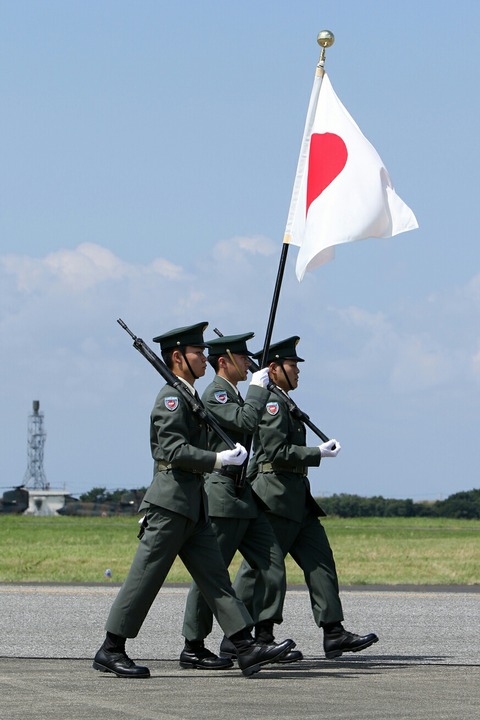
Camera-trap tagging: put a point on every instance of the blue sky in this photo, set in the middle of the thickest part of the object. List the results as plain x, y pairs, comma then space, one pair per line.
149, 151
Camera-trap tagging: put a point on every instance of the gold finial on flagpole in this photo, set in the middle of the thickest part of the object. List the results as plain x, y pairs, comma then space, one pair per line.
325, 39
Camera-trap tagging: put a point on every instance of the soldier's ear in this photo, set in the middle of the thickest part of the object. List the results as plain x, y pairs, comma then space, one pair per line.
272, 369
177, 357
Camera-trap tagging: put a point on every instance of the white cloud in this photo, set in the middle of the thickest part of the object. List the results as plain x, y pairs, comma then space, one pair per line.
240, 247
63, 346
418, 366
70, 296
80, 269
424, 346
257, 245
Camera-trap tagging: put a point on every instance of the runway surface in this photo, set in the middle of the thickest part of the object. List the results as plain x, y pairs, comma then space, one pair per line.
426, 664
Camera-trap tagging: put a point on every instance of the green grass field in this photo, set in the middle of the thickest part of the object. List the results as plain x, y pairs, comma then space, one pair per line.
367, 550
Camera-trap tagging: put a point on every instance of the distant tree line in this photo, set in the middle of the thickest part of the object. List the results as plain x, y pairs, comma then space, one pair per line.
100, 495
460, 505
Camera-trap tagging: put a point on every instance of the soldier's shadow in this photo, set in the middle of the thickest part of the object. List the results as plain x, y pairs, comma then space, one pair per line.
374, 664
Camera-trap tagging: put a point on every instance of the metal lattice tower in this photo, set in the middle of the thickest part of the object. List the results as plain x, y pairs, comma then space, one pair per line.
35, 475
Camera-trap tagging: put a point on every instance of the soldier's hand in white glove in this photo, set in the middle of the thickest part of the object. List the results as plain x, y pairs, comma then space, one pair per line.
331, 448
260, 377
237, 456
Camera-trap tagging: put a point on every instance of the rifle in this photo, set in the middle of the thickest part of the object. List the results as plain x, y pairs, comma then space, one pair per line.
195, 405
292, 406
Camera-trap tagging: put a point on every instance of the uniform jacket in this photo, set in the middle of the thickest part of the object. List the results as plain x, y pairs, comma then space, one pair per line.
178, 438
280, 441
239, 419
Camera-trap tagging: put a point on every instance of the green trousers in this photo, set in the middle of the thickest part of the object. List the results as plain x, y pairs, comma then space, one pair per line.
308, 545
255, 539
169, 534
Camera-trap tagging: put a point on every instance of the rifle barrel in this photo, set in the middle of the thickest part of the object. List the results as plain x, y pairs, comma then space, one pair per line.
175, 382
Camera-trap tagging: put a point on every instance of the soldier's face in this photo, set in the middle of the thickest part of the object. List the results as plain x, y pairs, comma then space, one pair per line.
196, 358
292, 371
234, 367
240, 365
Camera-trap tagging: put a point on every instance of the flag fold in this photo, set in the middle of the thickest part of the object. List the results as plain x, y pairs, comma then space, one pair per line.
342, 190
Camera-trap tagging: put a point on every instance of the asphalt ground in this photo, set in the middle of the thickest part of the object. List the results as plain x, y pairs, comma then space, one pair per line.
426, 664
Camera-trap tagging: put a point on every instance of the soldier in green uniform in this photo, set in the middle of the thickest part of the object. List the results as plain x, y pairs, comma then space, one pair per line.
236, 519
176, 522
279, 468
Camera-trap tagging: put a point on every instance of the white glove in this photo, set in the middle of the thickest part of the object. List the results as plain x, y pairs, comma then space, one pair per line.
331, 448
260, 377
237, 456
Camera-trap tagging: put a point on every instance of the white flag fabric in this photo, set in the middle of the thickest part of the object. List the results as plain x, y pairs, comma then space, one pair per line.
342, 191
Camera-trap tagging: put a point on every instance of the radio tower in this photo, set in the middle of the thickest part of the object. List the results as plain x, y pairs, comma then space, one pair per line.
35, 475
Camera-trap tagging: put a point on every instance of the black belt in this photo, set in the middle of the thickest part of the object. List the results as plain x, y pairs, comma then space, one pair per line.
161, 466
228, 473
268, 468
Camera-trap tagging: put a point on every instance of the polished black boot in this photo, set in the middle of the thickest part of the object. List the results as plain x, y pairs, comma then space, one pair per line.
111, 657
251, 656
337, 640
264, 636
195, 655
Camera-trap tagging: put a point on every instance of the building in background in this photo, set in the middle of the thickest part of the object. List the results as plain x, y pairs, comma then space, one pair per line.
42, 499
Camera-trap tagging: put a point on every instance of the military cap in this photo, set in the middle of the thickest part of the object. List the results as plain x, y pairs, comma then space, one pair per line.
283, 350
236, 344
179, 337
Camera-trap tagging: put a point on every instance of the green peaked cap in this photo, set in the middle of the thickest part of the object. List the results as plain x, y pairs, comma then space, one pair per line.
236, 344
283, 350
188, 335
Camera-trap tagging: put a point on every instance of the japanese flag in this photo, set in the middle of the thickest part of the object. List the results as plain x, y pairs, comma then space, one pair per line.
342, 191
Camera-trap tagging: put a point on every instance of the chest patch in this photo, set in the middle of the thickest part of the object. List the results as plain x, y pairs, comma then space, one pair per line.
171, 403
221, 397
272, 408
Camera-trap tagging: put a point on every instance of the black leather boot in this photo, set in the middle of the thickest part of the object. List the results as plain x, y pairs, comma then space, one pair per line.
196, 655
337, 640
112, 658
251, 659
264, 636
250, 654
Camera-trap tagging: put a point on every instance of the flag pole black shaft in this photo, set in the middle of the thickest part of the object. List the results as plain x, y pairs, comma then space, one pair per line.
268, 335
325, 39
273, 308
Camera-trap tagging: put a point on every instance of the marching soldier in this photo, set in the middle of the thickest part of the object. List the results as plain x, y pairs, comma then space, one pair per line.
279, 467
236, 519
176, 522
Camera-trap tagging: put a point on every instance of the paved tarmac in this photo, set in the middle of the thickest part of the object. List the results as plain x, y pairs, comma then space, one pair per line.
426, 664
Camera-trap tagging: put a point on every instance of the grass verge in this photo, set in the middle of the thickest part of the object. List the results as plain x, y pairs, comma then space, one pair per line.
367, 550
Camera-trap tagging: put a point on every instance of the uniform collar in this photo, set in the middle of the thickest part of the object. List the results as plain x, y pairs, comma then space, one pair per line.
221, 379
190, 387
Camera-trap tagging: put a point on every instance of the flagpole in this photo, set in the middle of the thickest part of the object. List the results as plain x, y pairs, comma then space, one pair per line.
325, 39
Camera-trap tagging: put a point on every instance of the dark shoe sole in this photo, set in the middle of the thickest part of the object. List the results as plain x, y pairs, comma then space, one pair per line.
199, 666
291, 656
229, 655
104, 668
254, 669
337, 653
